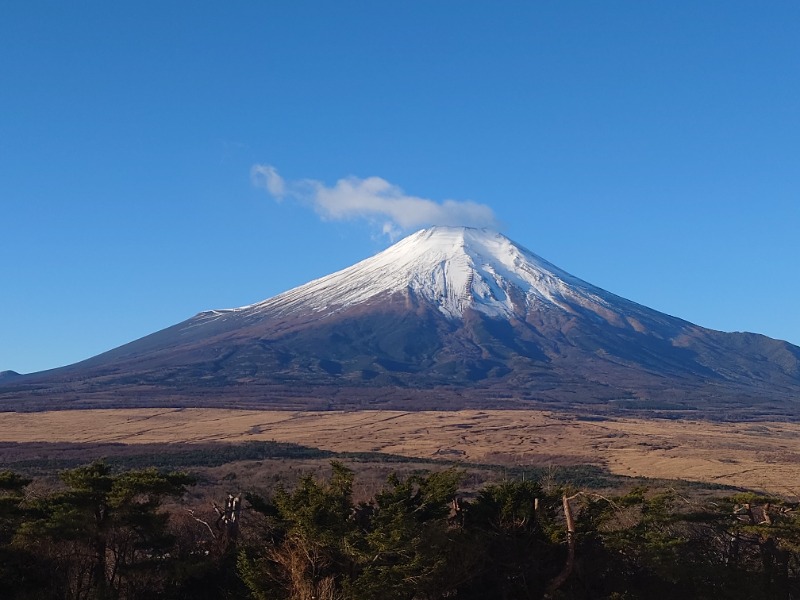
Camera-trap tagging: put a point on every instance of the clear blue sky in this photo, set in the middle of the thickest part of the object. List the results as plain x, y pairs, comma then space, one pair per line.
650, 148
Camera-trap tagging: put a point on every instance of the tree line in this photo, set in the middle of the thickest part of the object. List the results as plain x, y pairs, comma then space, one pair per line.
104, 534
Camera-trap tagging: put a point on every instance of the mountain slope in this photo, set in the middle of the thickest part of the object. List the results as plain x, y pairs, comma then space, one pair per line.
447, 317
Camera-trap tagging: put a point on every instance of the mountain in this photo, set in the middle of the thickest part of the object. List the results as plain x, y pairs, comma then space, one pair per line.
446, 318
8, 375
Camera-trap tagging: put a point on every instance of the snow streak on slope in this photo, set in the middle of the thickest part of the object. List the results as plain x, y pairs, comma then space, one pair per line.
453, 268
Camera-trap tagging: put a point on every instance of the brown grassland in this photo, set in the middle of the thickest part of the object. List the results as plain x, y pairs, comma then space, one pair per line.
761, 456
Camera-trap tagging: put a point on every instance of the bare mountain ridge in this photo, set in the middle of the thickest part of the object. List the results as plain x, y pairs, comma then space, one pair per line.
446, 318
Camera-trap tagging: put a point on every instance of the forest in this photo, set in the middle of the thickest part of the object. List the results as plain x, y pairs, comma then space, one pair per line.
100, 532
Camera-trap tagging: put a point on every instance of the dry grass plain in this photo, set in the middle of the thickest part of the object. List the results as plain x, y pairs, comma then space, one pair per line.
762, 456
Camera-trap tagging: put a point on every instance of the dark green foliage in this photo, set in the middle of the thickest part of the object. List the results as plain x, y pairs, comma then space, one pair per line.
406, 539
506, 527
105, 534
20, 573
307, 538
317, 542
642, 540
508, 506
12, 482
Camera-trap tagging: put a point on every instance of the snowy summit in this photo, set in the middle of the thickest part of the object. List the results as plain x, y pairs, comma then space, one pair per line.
453, 268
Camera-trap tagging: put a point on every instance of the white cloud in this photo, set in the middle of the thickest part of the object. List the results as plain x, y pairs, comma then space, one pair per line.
374, 199
391, 230
266, 176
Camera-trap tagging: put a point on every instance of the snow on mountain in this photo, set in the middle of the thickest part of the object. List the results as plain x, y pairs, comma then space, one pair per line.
451, 267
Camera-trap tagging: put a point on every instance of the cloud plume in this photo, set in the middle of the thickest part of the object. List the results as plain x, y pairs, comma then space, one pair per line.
374, 199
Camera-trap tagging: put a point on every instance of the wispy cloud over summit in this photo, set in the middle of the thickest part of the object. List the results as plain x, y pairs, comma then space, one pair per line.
373, 199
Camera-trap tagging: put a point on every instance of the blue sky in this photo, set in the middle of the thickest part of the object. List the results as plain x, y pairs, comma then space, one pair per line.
652, 149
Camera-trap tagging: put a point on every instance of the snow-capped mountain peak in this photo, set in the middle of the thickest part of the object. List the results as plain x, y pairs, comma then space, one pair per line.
451, 267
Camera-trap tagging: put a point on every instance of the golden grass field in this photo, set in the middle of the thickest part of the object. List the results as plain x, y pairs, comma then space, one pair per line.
762, 456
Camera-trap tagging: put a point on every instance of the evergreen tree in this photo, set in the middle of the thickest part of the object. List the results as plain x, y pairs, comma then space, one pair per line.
104, 533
